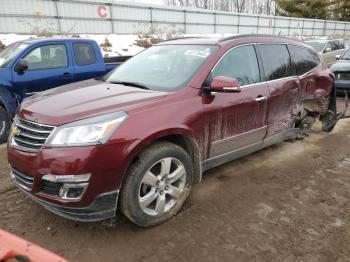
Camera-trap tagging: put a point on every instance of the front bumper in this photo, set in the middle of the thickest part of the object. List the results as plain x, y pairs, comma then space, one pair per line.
105, 163
103, 207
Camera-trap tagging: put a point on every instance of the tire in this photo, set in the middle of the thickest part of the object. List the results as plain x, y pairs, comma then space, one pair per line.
163, 163
5, 125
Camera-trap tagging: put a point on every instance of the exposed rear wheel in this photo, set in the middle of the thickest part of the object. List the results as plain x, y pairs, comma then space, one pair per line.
157, 185
5, 125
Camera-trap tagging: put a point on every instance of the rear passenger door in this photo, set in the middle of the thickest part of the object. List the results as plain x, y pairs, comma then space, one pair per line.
238, 120
87, 63
283, 85
304, 61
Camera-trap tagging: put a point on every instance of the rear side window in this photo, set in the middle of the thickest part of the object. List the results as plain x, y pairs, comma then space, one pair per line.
84, 54
239, 63
276, 61
303, 59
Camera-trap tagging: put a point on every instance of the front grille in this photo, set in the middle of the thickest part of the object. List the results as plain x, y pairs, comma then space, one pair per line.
21, 179
342, 75
50, 188
29, 136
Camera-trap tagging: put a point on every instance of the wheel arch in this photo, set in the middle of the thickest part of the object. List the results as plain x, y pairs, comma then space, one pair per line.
7, 101
178, 137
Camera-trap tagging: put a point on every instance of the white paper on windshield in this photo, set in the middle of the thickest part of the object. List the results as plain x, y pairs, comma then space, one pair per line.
199, 53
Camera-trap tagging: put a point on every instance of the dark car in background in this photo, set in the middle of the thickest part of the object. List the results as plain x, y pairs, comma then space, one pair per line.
141, 137
341, 71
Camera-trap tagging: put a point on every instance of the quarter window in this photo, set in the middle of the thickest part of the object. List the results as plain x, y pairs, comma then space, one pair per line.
276, 61
239, 63
303, 59
46, 57
84, 54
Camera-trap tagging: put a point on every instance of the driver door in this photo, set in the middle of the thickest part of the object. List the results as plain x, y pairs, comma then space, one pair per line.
238, 120
48, 67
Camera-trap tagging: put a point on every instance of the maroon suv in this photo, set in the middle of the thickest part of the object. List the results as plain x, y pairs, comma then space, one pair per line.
139, 138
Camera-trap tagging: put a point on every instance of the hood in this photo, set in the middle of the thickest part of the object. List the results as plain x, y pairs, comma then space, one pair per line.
341, 66
84, 99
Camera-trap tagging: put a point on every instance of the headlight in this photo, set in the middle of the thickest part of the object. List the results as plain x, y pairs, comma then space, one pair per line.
89, 131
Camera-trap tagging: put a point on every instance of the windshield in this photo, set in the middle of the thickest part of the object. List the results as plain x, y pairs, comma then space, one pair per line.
11, 52
163, 68
318, 45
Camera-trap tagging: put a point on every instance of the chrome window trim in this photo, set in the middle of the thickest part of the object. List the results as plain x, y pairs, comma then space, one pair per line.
295, 76
232, 48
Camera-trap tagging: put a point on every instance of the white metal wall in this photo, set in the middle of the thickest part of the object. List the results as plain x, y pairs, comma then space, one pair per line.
111, 16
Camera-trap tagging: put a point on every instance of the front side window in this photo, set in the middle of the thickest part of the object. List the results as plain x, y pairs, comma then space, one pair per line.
329, 47
276, 61
84, 54
239, 63
47, 57
163, 68
10, 52
303, 59
336, 45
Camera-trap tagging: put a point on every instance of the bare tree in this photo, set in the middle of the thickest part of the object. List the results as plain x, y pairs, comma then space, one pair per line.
240, 6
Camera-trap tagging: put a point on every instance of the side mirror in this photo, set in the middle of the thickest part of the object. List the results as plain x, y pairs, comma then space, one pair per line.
338, 57
224, 84
328, 49
21, 66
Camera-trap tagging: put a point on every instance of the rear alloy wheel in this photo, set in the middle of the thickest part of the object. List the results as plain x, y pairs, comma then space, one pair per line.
5, 125
157, 185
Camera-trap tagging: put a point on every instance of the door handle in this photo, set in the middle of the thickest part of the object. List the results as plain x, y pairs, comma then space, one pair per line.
260, 98
67, 74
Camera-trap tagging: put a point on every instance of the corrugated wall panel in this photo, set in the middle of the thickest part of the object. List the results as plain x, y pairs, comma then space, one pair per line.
85, 27
226, 29
169, 28
200, 29
199, 18
28, 25
248, 20
83, 10
28, 7
226, 19
167, 15
131, 13
94, 16
124, 27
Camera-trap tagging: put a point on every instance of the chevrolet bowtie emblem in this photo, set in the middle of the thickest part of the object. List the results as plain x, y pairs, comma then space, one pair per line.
15, 131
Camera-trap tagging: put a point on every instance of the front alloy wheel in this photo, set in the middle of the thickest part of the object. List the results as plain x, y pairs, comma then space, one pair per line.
162, 186
157, 184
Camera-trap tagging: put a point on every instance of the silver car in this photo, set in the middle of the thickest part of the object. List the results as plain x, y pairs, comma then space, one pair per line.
328, 49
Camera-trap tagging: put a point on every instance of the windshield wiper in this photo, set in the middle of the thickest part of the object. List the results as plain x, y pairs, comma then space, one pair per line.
127, 83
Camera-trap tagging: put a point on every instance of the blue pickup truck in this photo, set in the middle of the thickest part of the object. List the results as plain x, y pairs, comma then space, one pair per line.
35, 65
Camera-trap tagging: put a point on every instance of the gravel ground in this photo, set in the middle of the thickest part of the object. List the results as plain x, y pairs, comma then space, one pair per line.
289, 202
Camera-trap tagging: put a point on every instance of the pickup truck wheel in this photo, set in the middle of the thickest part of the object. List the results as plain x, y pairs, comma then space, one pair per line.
5, 125
157, 184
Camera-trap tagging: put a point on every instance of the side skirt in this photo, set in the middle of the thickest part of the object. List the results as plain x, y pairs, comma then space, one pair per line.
288, 134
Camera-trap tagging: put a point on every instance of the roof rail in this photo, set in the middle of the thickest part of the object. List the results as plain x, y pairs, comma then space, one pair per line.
183, 37
248, 35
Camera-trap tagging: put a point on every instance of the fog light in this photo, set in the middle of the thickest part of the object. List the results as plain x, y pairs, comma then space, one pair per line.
72, 192
69, 188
